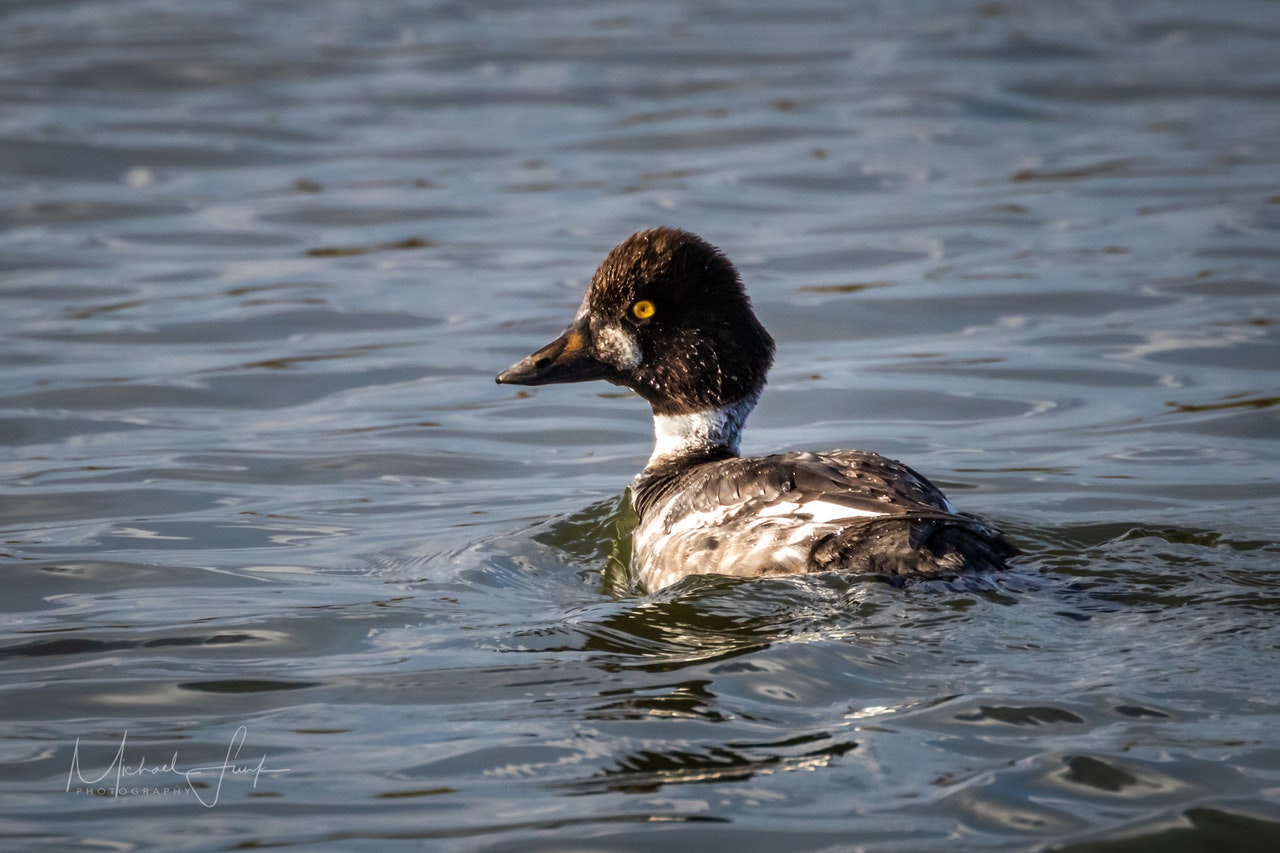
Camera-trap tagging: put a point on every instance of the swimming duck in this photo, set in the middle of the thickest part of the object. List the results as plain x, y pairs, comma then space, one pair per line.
666, 315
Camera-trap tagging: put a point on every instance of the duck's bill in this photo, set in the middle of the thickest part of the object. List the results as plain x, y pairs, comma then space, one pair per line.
566, 359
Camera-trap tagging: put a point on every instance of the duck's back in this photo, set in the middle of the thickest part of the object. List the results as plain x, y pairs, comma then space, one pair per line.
801, 512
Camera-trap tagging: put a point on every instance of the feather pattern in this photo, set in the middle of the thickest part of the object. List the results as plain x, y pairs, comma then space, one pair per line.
801, 512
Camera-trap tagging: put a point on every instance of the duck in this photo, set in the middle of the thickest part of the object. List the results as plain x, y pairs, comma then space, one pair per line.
666, 315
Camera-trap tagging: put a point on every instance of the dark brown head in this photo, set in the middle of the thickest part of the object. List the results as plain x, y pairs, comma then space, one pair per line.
666, 316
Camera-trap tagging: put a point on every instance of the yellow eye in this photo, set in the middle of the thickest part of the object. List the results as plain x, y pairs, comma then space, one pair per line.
643, 309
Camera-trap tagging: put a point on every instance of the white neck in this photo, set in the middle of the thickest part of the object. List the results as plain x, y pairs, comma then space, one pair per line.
680, 435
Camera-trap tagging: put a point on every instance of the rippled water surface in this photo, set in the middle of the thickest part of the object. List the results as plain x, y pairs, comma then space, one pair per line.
280, 558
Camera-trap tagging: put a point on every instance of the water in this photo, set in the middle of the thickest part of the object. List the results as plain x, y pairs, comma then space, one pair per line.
281, 557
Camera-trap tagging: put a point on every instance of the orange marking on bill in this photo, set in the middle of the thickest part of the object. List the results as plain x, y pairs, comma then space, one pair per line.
573, 342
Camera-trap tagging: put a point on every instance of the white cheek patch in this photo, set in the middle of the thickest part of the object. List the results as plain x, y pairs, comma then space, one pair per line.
618, 347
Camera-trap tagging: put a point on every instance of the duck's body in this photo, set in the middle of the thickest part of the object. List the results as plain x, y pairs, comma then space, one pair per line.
666, 315
800, 512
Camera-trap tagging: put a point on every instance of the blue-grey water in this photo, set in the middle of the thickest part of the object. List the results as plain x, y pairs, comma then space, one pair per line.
283, 568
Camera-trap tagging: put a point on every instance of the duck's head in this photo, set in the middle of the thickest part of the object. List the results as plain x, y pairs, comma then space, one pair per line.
666, 316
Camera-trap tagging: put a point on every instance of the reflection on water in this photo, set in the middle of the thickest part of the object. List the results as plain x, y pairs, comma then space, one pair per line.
259, 264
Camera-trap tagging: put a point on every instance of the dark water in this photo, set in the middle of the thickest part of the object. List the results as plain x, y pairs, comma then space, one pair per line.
275, 544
